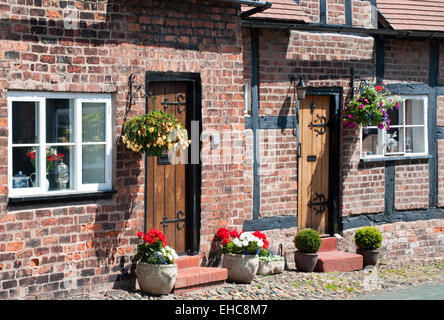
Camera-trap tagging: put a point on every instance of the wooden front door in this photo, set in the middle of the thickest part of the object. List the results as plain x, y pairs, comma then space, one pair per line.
166, 204
314, 163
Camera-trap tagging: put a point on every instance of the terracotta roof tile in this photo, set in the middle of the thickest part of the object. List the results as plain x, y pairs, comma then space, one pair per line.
281, 10
424, 15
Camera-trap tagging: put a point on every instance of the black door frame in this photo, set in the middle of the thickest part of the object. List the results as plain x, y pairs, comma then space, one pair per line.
194, 170
334, 125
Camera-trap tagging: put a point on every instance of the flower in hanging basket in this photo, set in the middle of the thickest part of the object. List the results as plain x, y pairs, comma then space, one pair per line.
155, 133
153, 248
371, 107
246, 243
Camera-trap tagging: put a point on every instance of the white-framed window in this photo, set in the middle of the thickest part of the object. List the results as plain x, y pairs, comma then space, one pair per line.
59, 143
407, 135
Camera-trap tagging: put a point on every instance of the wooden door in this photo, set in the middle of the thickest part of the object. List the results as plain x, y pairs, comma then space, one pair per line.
314, 175
166, 204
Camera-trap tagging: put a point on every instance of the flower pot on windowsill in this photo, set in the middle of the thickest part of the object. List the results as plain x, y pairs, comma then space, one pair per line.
241, 268
270, 267
156, 279
370, 256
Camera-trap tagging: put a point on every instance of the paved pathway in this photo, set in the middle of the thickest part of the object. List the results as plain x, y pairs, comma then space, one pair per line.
423, 292
292, 285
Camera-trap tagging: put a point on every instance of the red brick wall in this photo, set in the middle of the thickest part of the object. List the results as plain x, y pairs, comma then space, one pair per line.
405, 240
441, 65
411, 185
407, 61
362, 13
336, 11
440, 122
39, 247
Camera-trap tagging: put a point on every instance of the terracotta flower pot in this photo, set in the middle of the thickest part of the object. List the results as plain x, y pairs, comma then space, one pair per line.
370, 256
241, 268
305, 262
156, 279
270, 267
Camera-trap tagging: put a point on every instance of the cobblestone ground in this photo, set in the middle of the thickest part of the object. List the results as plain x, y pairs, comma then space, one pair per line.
292, 285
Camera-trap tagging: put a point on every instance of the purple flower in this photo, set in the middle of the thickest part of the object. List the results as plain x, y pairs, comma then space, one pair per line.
361, 106
380, 126
397, 106
351, 116
380, 104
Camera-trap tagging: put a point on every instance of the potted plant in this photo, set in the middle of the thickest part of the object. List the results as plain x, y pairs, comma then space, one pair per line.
155, 133
371, 107
270, 263
308, 243
368, 240
156, 271
240, 254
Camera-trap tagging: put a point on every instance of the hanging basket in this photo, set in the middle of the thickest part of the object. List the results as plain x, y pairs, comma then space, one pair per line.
155, 133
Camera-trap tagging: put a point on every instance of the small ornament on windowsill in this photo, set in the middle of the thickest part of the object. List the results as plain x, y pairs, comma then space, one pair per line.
61, 174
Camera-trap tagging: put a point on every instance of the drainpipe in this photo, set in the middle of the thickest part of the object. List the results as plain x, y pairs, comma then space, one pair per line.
251, 3
259, 6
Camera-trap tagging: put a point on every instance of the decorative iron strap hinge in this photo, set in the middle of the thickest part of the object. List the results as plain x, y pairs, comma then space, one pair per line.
180, 213
319, 200
323, 124
180, 104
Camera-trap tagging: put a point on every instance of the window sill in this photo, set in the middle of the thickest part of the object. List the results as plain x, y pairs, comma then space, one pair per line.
12, 201
395, 158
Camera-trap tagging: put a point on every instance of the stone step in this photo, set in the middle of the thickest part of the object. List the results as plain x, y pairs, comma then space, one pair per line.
334, 260
192, 278
187, 262
328, 244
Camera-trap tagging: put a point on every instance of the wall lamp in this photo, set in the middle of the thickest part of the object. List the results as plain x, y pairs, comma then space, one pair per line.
301, 88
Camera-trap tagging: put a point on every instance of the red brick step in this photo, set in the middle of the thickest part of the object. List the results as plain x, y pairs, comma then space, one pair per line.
330, 259
190, 276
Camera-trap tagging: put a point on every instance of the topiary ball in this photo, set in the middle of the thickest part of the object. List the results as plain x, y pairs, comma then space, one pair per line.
368, 238
307, 241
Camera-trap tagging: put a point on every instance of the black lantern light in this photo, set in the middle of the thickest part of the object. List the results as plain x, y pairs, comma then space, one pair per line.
301, 88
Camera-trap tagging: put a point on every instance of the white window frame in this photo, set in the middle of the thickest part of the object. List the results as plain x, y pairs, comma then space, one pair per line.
382, 133
78, 186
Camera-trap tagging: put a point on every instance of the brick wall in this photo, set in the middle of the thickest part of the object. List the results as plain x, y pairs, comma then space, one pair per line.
441, 65
336, 11
411, 185
49, 249
405, 240
407, 61
362, 11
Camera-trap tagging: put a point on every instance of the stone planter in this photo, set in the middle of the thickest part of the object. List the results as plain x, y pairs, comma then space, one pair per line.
270, 267
305, 262
370, 256
156, 279
241, 268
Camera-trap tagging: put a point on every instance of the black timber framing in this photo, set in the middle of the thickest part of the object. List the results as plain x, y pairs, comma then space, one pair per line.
348, 13
323, 12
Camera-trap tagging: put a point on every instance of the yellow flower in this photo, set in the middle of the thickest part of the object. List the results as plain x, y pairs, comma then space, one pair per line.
151, 129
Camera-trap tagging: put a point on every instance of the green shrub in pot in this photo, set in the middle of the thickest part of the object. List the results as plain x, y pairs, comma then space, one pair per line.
368, 238
307, 241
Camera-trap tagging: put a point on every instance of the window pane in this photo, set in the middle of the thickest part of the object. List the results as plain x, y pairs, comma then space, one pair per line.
93, 122
60, 167
25, 119
371, 142
394, 140
93, 163
414, 112
415, 141
396, 116
24, 164
59, 120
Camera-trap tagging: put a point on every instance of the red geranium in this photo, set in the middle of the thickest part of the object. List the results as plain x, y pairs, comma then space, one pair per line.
379, 88
223, 233
234, 234
153, 236
260, 235
225, 241
139, 235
